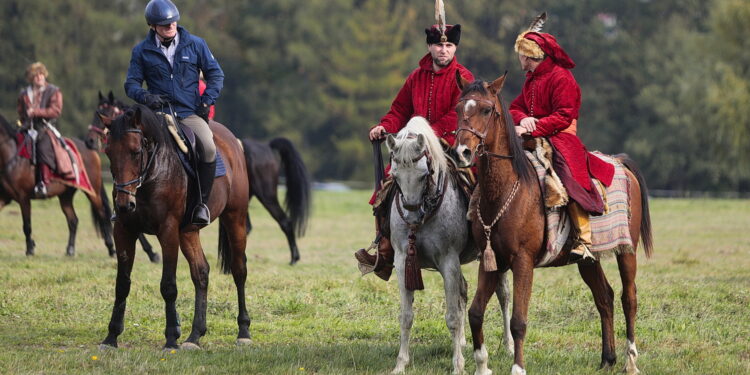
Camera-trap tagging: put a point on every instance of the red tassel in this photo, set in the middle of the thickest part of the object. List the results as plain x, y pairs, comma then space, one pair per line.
413, 272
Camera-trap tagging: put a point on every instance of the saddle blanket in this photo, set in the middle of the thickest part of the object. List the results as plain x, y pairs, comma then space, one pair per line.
78, 179
609, 232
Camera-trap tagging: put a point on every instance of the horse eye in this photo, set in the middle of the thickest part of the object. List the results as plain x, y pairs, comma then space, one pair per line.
486, 111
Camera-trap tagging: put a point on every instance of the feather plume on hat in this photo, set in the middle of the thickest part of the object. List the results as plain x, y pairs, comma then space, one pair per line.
528, 47
440, 17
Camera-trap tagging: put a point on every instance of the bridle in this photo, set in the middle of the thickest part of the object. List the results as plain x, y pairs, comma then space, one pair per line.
480, 149
120, 188
103, 132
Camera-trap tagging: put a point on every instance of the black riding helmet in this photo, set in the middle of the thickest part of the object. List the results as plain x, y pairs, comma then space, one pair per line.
161, 12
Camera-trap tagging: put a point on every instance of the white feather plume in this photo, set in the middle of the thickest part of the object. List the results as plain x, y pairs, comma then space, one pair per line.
538, 22
440, 15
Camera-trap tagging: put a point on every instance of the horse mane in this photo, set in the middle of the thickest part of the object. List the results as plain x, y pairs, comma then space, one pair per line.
419, 125
152, 126
520, 163
7, 127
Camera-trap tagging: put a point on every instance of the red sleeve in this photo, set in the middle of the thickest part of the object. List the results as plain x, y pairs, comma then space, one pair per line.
518, 109
566, 100
54, 109
401, 108
449, 122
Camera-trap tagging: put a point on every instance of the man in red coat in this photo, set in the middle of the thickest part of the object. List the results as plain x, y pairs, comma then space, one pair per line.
548, 107
431, 92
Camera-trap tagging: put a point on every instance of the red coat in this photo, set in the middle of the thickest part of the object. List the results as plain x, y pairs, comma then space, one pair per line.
431, 95
551, 94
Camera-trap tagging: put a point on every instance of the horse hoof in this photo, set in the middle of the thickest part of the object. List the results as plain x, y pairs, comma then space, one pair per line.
70, 252
189, 346
105, 347
155, 258
244, 342
29, 253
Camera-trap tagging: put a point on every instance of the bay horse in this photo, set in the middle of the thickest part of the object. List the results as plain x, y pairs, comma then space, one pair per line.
151, 190
511, 194
18, 177
265, 161
107, 109
429, 212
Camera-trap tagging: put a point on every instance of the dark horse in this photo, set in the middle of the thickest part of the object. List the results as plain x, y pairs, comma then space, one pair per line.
486, 134
263, 168
17, 180
107, 109
151, 188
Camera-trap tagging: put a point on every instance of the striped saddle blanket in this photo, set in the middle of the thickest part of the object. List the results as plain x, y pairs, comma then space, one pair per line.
610, 232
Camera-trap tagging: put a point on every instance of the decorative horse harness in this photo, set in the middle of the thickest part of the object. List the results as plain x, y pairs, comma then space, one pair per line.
490, 264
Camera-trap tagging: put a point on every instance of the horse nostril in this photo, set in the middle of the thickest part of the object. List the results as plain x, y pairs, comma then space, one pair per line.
131, 206
466, 153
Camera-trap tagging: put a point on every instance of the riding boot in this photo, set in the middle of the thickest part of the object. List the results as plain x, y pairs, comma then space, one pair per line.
580, 218
201, 214
40, 189
381, 263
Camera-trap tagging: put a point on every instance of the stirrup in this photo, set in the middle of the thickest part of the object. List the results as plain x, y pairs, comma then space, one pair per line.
366, 268
40, 190
196, 210
586, 257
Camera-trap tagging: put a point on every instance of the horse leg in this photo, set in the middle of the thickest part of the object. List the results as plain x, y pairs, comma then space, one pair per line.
66, 203
274, 208
503, 296
170, 243
485, 287
464, 300
523, 278
190, 244
26, 215
148, 249
594, 277
628, 266
453, 283
406, 317
235, 226
125, 242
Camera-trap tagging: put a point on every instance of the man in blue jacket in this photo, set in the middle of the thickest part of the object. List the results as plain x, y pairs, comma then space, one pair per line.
170, 61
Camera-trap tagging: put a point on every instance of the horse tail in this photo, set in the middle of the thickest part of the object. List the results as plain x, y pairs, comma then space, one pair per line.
297, 200
645, 229
225, 251
101, 222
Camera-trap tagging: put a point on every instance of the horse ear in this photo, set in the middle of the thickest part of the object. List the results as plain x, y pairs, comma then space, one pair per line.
101, 97
390, 142
460, 81
137, 115
497, 84
421, 141
111, 97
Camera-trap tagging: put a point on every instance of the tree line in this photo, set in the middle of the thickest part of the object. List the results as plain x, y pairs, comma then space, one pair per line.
665, 81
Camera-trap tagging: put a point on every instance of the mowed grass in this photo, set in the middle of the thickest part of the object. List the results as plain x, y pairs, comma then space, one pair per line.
321, 317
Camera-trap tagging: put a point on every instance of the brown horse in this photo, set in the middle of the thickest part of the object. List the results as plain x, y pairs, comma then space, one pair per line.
151, 191
107, 109
511, 193
264, 161
17, 181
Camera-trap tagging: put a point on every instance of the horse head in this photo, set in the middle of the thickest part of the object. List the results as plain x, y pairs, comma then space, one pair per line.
480, 117
132, 142
107, 109
417, 163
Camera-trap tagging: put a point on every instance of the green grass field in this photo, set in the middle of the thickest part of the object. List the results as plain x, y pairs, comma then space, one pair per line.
321, 317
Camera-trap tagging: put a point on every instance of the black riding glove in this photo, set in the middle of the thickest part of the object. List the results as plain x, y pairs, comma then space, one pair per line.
202, 111
155, 101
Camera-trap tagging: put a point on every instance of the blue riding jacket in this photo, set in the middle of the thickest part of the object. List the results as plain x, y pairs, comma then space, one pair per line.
178, 82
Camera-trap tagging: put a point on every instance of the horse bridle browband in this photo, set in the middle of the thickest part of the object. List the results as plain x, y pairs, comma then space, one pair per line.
142, 173
481, 149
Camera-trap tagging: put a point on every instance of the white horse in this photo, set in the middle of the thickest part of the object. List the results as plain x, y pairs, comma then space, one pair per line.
420, 170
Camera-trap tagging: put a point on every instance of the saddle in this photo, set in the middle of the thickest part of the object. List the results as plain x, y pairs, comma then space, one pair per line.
185, 145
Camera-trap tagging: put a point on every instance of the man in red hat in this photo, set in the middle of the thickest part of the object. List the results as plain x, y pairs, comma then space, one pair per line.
548, 107
431, 92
